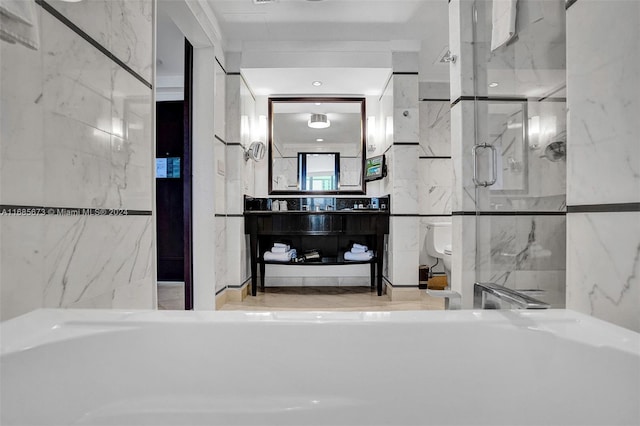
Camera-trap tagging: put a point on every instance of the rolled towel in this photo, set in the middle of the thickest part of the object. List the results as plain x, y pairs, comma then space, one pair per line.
277, 249
280, 257
367, 255
359, 248
281, 245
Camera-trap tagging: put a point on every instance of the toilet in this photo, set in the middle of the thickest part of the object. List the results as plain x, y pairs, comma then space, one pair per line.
439, 244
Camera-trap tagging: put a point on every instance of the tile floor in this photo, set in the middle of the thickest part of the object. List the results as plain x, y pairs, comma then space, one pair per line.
171, 296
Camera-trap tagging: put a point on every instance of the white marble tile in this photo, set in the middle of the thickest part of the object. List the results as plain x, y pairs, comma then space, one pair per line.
462, 140
435, 128
220, 102
234, 179
461, 72
435, 188
77, 79
603, 266
219, 165
123, 27
285, 174
350, 173
78, 169
403, 233
234, 250
92, 17
220, 259
404, 178
603, 67
519, 243
21, 127
533, 63
463, 258
132, 31
83, 261
22, 272
233, 113
406, 116
404, 252
434, 90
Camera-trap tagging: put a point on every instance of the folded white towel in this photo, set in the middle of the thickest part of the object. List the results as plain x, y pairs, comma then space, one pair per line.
359, 247
367, 255
277, 249
281, 245
503, 20
280, 257
19, 23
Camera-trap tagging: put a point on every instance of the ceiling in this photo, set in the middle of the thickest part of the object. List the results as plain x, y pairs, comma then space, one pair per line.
278, 38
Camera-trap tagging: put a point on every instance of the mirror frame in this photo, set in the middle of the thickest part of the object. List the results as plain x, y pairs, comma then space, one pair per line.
363, 132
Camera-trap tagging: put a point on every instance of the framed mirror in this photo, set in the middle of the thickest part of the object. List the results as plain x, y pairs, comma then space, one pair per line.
316, 146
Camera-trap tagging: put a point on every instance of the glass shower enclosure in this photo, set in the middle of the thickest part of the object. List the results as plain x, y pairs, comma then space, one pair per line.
518, 157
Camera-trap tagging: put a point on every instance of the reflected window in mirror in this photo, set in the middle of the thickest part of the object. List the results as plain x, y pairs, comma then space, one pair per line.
332, 128
319, 172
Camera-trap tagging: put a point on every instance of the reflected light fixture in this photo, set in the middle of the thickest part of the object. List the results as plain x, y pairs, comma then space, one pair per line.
319, 140
318, 121
493, 84
317, 83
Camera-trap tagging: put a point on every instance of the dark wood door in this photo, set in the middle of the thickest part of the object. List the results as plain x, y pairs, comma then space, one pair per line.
170, 192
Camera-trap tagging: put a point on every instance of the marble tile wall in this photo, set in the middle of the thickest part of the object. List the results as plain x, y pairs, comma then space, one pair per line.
403, 132
603, 170
240, 127
77, 132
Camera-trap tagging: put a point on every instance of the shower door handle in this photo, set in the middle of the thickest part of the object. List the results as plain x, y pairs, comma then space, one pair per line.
494, 162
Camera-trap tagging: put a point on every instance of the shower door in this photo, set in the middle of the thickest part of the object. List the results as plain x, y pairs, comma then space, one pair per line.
520, 134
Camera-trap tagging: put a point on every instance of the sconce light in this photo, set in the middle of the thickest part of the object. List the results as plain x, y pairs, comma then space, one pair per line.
371, 133
255, 151
318, 121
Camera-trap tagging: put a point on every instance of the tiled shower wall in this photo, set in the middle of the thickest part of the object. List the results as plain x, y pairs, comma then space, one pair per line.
76, 160
603, 179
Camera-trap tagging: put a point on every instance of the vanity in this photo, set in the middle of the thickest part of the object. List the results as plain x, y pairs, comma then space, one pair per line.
331, 232
317, 187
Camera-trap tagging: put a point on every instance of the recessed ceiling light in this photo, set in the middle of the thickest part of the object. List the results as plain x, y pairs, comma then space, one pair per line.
317, 83
318, 103
493, 84
319, 140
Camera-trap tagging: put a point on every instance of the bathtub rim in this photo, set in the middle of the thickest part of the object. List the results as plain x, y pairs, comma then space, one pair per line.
45, 326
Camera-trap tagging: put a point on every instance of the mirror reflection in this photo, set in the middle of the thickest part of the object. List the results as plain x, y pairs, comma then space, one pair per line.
319, 172
316, 145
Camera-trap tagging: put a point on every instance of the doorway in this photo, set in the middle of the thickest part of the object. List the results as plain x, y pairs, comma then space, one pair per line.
173, 167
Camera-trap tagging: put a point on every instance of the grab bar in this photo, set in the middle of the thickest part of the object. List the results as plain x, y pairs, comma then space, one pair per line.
501, 292
494, 162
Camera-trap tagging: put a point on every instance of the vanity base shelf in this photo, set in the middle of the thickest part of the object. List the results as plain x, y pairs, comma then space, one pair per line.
325, 261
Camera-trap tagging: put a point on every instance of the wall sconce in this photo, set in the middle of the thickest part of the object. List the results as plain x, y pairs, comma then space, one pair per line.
371, 133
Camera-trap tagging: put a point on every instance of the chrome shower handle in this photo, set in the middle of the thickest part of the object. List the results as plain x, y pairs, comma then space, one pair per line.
494, 162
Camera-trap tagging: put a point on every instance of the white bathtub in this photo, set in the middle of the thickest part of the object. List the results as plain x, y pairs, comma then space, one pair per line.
290, 368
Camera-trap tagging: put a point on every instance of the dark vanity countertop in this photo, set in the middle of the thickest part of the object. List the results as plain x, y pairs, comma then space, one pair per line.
296, 212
